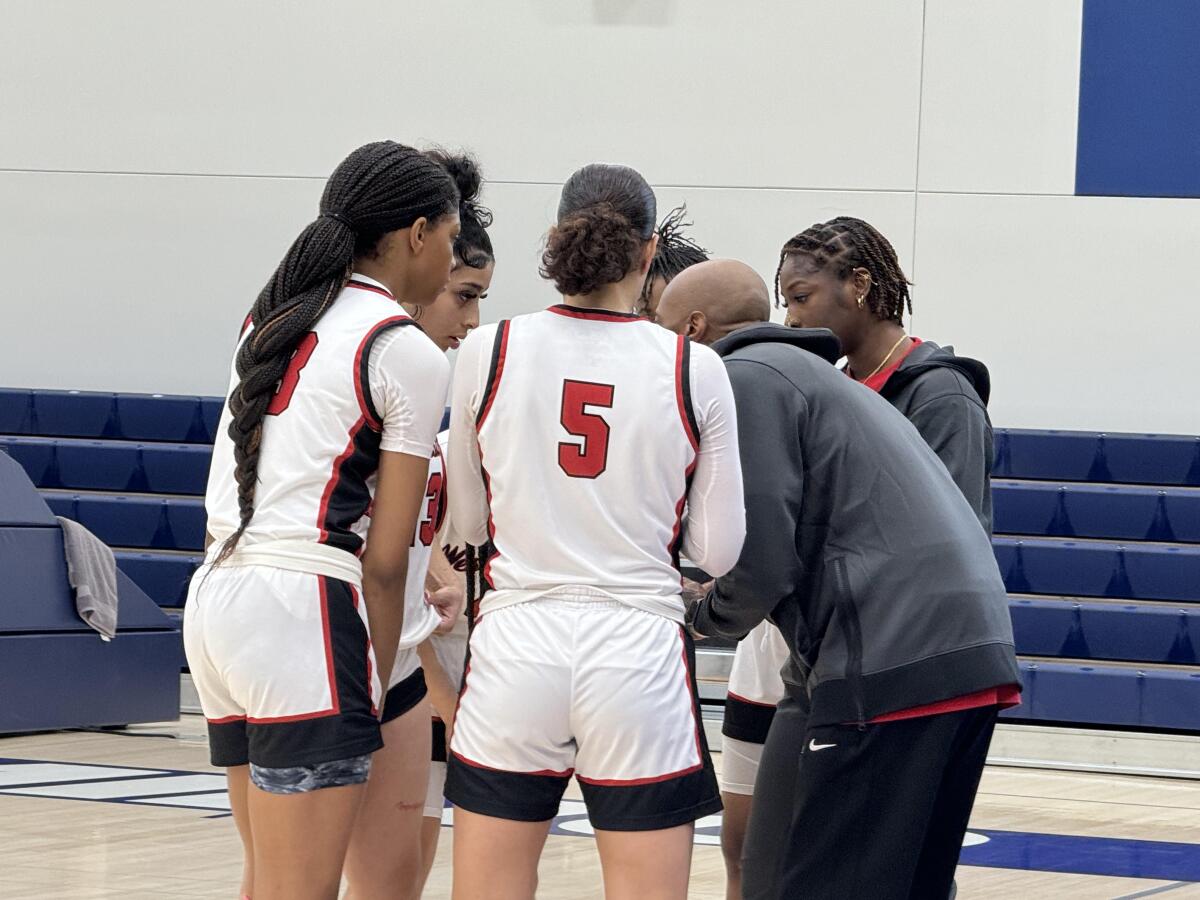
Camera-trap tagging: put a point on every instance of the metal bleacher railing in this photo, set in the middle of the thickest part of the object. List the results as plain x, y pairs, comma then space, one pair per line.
1097, 536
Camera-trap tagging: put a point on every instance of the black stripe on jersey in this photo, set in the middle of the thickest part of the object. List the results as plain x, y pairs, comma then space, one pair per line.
495, 370
362, 362
349, 498
685, 379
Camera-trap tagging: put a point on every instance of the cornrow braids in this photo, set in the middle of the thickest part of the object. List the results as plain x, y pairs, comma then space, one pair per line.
379, 188
848, 244
675, 251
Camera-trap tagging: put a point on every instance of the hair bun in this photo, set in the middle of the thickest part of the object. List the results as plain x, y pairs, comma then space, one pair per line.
468, 176
589, 248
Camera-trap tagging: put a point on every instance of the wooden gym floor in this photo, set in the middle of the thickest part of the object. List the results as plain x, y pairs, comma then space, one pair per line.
76, 824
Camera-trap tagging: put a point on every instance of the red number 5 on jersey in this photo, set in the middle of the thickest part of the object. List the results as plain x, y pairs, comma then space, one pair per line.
590, 458
291, 377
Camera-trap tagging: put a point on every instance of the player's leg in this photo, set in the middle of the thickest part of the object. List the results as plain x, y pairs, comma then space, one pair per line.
384, 857
238, 778
296, 653
643, 764
300, 839
646, 865
739, 770
431, 823
431, 833
496, 859
227, 740
512, 750
733, 835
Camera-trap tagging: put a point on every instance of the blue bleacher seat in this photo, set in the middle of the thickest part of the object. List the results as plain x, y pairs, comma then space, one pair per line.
1134, 632
187, 520
74, 414
149, 522
1099, 569
175, 468
1096, 457
1097, 511
36, 456
97, 465
1110, 694
77, 464
16, 411
163, 576
95, 414
155, 417
210, 413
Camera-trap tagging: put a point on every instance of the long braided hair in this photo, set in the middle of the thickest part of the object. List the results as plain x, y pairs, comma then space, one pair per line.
379, 188
848, 244
675, 252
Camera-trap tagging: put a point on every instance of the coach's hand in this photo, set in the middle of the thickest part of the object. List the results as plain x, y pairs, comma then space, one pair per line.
448, 603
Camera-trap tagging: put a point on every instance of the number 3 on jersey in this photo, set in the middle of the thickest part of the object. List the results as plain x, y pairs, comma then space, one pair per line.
589, 458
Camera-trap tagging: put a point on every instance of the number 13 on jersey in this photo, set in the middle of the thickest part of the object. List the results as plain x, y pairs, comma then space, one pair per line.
589, 457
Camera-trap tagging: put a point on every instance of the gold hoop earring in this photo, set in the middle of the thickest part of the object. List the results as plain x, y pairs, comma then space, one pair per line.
862, 298
416, 316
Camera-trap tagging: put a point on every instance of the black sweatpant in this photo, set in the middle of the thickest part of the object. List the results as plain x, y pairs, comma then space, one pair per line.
878, 812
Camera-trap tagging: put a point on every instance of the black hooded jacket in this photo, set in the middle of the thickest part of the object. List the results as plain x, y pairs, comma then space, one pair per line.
859, 545
945, 397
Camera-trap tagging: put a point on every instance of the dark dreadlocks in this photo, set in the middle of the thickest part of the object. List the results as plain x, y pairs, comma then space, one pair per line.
674, 253
379, 188
848, 244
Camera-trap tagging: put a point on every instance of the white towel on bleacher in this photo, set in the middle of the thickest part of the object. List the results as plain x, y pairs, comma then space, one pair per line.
92, 571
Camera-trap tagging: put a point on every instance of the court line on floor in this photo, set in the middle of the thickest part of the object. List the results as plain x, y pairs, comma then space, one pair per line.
1162, 889
1030, 851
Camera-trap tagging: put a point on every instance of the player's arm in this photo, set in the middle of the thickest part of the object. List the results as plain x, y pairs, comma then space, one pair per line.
399, 493
408, 381
716, 525
468, 500
442, 693
771, 415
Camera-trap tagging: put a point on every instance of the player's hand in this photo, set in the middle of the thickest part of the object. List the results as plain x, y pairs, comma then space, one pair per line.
693, 590
448, 603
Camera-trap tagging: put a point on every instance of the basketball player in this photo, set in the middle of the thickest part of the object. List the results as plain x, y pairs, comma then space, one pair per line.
862, 549
675, 253
333, 409
578, 435
386, 855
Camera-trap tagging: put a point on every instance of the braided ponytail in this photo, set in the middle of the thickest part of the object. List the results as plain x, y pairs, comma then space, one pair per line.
379, 188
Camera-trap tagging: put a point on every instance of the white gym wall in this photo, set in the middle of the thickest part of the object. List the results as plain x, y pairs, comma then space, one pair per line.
156, 159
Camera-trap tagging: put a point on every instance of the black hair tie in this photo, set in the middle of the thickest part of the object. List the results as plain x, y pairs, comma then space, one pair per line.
338, 217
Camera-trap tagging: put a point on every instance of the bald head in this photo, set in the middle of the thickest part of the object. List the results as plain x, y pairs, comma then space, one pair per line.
714, 298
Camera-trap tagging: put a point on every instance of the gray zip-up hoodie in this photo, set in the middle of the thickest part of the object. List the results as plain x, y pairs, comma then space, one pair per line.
859, 545
945, 397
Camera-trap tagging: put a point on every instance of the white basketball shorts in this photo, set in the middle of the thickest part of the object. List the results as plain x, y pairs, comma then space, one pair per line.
283, 665
558, 687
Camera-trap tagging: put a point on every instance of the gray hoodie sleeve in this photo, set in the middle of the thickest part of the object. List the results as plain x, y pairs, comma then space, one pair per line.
956, 429
771, 413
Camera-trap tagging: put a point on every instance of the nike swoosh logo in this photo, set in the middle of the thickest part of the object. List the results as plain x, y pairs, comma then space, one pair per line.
814, 746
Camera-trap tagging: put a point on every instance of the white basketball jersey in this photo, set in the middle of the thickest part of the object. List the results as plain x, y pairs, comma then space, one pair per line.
420, 619
321, 435
588, 441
